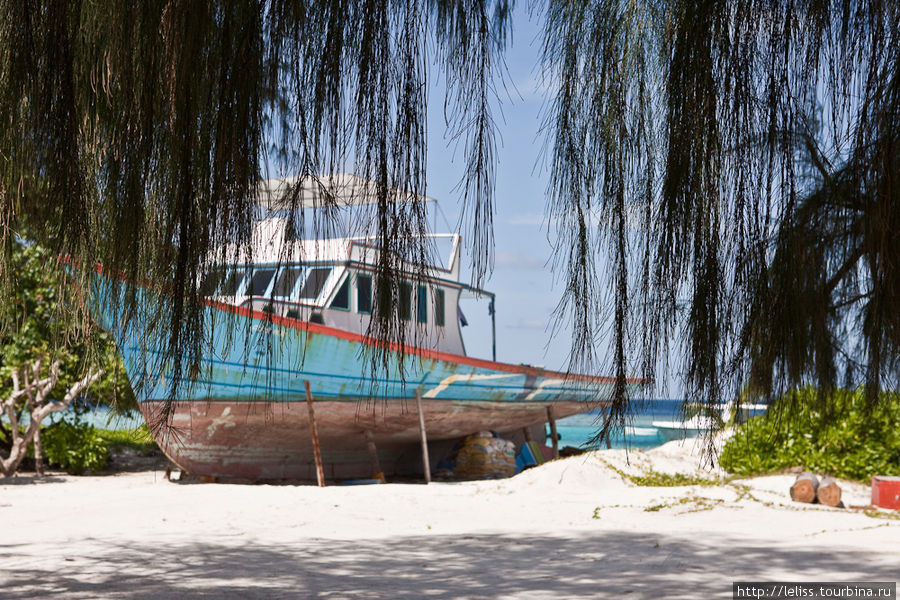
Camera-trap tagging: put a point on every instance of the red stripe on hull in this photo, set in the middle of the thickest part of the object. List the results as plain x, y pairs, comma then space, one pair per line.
415, 350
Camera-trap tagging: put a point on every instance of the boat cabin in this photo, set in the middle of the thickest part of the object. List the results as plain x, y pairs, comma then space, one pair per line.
331, 282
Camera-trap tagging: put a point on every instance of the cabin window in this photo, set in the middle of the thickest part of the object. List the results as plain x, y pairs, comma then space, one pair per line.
315, 281
259, 283
210, 282
421, 304
405, 306
341, 299
287, 281
233, 283
364, 294
439, 308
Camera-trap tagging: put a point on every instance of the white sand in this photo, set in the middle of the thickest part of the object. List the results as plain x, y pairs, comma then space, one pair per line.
570, 529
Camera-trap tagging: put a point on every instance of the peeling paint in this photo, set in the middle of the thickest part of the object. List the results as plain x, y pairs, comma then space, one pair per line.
225, 419
448, 381
540, 388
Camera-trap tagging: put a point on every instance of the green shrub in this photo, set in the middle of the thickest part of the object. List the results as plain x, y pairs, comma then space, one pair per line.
657, 479
74, 447
842, 437
139, 440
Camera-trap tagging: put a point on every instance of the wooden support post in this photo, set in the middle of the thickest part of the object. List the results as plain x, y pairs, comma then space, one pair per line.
373, 456
320, 471
425, 461
553, 434
526, 431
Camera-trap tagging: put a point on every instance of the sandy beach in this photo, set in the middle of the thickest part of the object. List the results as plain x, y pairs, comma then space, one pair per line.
573, 528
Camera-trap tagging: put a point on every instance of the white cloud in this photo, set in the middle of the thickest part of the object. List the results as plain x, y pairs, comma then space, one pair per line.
519, 261
526, 323
532, 88
530, 219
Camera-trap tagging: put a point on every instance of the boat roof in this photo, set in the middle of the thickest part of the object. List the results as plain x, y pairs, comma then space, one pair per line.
315, 191
272, 245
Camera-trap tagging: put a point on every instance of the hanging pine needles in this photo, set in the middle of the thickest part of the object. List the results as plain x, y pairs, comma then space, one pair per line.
135, 134
732, 164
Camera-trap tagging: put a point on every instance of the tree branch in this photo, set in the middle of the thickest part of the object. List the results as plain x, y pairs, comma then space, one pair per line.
37, 391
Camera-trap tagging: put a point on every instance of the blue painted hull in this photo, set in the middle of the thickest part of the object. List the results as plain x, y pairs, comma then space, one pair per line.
245, 414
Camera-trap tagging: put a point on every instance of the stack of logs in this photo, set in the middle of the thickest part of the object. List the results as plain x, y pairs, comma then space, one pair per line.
807, 488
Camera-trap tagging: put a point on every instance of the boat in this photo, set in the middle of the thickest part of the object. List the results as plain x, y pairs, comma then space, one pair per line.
701, 423
275, 325
687, 428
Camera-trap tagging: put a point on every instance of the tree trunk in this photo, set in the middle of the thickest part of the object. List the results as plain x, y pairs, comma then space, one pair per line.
21, 441
829, 492
10, 464
38, 454
804, 488
37, 390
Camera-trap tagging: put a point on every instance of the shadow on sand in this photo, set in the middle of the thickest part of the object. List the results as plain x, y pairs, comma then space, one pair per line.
31, 479
618, 564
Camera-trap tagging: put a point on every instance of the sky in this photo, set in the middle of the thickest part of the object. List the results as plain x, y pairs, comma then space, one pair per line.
526, 289
526, 293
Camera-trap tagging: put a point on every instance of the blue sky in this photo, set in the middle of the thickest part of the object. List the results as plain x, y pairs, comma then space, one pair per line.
522, 278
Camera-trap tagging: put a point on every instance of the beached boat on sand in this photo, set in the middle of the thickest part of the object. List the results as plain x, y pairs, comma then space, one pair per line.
275, 324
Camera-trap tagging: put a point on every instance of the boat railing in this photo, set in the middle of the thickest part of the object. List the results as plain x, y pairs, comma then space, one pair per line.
360, 247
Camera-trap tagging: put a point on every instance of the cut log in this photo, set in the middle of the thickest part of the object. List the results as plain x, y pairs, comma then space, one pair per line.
804, 488
829, 492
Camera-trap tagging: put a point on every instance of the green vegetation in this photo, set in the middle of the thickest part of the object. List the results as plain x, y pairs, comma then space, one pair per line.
653, 478
881, 514
74, 447
688, 504
51, 357
138, 440
656, 479
77, 446
846, 437
43, 326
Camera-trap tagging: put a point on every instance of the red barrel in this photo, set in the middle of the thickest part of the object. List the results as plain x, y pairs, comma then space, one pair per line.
886, 491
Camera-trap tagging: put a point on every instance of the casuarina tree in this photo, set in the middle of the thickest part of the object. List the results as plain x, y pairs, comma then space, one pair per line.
722, 174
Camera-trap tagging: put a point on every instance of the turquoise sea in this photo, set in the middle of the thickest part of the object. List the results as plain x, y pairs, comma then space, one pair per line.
578, 430
101, 417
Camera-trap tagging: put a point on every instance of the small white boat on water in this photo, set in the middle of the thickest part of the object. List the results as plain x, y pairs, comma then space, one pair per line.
699, 424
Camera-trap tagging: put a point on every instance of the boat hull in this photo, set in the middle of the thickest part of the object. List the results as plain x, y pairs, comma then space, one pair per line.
272, 441
244, 413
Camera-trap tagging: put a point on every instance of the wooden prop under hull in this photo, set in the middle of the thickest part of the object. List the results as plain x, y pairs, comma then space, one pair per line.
271, 441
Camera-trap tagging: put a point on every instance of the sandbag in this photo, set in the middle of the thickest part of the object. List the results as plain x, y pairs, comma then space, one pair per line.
483, 455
